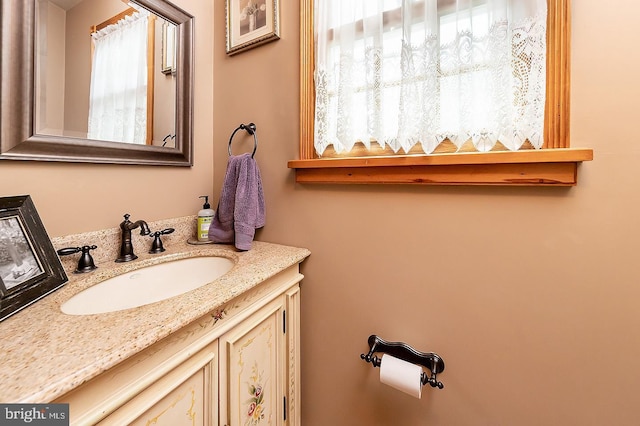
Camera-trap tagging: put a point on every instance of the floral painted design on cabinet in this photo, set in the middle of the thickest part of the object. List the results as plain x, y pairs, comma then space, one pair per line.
255, 410
256, 373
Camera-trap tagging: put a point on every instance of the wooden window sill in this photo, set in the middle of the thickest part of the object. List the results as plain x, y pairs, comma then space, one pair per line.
545, 167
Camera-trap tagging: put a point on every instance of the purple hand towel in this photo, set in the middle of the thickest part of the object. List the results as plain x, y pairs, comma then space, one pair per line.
241, 206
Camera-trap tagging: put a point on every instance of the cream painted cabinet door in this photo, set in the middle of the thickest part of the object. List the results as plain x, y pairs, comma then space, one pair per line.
184, 405
187, 396
252, 369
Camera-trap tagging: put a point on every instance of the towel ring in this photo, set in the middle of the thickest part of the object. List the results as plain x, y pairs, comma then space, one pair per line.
251, 129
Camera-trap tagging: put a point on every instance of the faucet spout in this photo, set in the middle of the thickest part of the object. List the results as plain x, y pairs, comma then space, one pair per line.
126, 245
144, 228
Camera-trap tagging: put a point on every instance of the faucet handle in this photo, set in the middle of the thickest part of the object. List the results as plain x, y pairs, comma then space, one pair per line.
85, 263
157, 246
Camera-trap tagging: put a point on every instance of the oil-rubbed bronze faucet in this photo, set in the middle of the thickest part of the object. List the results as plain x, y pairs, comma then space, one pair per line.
126, 247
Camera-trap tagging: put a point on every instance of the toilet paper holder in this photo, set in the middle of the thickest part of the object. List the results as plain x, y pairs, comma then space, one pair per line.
430, 360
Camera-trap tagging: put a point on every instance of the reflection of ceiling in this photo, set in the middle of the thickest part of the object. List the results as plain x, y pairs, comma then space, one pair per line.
65, 4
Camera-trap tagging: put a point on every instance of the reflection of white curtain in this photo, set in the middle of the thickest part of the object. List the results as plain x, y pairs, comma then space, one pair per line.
409, 72
118, 95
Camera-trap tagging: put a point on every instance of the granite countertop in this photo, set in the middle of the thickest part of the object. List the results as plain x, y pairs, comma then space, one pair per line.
46, 353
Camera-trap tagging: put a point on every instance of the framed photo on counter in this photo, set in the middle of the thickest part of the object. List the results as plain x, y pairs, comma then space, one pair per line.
29, 266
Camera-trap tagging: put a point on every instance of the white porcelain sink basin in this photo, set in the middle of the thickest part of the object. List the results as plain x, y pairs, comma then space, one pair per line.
147, 285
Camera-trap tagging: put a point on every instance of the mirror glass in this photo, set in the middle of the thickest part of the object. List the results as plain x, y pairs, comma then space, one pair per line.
101, 81
100, 73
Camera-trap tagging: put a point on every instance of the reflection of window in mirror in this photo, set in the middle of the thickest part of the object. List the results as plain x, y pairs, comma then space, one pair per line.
64, 66
121, 89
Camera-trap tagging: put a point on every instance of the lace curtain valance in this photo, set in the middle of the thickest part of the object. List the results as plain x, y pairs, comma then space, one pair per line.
409, 72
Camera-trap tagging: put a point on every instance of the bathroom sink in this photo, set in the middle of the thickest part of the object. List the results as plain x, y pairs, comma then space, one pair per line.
147, 285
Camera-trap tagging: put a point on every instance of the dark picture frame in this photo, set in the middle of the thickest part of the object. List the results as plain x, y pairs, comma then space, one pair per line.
29, 266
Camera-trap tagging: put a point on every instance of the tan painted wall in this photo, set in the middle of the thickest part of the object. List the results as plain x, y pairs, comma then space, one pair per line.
530, 295
73, 198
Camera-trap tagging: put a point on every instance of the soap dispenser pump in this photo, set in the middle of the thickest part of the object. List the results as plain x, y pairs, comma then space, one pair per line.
205, 217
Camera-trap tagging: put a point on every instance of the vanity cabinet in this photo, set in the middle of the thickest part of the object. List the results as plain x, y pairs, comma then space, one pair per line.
238, 365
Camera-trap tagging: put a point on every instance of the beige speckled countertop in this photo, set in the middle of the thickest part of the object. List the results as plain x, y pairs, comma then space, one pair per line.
45, 353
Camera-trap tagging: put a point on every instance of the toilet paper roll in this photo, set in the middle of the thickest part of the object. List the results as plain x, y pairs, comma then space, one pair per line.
401, 375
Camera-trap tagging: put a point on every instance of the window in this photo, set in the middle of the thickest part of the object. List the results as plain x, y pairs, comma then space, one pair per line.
554, 164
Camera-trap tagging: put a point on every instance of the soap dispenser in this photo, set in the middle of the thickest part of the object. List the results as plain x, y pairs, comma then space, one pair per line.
205, 217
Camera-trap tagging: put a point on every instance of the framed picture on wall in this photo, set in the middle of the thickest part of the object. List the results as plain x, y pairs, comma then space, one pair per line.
168, 48
251, 23
29, 266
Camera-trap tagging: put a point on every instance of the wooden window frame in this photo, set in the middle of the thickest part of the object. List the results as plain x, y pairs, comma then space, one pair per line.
556, 164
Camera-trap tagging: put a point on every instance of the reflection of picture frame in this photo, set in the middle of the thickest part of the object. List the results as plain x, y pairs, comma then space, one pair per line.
251, 23
29, 266
168, 48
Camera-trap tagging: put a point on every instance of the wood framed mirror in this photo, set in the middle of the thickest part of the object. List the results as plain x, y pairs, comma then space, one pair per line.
22, 136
